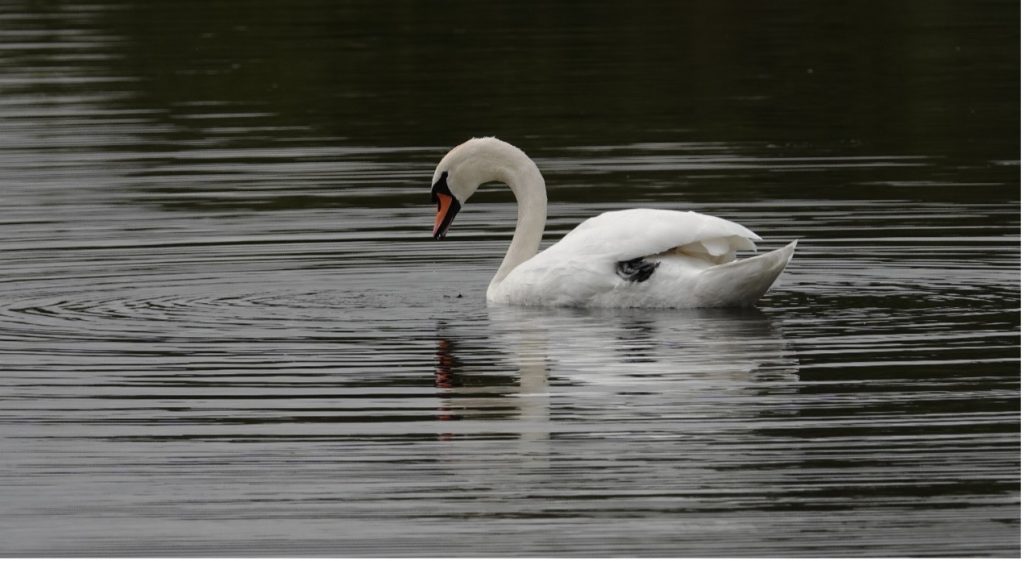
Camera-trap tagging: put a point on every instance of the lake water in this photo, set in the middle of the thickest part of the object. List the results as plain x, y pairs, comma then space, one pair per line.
225, 330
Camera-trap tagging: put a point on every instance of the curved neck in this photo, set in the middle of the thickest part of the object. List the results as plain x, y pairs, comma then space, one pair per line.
526, 182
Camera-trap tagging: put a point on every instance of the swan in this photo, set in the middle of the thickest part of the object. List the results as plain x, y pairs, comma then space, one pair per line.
636, 258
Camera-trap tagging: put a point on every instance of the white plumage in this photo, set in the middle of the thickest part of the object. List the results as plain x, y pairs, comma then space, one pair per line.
686, 259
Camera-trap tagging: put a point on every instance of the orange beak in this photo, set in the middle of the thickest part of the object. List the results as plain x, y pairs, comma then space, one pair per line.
447, 207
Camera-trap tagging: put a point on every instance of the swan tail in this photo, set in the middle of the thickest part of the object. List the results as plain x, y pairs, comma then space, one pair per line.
742, 282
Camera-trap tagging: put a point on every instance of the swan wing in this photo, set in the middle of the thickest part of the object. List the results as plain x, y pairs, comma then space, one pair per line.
581, 269
627, 234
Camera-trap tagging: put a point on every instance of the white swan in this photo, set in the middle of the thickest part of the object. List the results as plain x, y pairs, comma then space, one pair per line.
647, 258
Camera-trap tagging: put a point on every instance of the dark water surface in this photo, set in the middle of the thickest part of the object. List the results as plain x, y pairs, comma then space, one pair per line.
224, 329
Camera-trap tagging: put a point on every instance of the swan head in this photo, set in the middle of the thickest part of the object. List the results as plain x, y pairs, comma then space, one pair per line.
463, 169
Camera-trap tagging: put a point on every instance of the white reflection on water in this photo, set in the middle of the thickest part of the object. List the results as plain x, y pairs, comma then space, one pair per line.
645, 371
690, 358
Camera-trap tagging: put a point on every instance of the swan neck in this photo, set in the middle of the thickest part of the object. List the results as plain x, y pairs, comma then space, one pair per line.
527, 184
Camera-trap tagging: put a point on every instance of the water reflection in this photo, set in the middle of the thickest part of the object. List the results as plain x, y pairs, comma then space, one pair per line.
514, 364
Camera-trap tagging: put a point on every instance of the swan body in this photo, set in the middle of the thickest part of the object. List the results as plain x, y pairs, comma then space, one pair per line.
636, 258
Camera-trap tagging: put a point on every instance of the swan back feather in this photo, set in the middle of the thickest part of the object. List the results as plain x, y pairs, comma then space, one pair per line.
626, 234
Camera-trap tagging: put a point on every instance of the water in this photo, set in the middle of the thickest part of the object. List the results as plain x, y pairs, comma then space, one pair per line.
224, 329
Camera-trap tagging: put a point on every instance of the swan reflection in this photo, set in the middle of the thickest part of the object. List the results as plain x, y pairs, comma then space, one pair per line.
529, 366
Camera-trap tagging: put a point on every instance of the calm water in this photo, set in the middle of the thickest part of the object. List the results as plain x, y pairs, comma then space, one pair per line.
224, 329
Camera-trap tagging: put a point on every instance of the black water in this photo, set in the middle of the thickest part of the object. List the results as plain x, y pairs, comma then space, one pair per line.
224, 329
